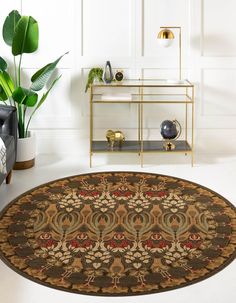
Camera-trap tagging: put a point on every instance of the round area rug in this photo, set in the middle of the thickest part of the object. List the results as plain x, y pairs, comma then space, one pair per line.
118, 233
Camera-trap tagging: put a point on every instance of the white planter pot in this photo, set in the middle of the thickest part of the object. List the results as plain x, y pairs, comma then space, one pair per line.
26, 151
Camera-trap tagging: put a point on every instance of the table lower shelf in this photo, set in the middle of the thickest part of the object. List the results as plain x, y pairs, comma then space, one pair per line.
135, 147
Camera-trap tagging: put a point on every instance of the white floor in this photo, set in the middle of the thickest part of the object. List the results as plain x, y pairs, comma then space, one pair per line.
213, 171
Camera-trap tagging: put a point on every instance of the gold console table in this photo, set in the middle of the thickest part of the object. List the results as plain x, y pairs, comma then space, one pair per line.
144, 92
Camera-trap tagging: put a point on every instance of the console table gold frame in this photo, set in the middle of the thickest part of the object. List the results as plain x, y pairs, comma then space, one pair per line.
141, 146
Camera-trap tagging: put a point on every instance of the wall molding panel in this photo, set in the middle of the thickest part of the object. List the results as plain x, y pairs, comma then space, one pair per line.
125, 32
217, 24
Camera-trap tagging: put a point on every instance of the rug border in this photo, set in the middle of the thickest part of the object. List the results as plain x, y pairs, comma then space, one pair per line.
99, 294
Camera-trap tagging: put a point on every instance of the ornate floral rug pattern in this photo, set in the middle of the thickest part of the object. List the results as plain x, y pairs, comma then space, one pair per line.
118, 233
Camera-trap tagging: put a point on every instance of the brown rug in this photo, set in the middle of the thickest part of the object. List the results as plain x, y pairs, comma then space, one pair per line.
118, 233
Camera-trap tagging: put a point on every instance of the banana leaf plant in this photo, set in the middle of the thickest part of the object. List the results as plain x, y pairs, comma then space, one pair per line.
21, 33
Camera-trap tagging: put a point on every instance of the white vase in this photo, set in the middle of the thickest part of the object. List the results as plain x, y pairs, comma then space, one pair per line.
26, 151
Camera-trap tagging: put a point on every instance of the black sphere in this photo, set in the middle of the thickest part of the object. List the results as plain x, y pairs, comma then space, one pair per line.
168, 130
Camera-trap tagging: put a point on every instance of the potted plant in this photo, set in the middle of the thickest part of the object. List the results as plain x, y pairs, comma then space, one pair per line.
21, 33
94, 74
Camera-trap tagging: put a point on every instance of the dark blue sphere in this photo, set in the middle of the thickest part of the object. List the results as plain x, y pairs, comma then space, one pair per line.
169, 130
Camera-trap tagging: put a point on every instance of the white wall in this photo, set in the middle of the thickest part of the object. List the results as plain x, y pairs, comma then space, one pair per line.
124, 32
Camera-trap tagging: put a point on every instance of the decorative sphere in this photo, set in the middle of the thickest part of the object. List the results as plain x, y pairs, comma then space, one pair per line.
169, 130
119, 76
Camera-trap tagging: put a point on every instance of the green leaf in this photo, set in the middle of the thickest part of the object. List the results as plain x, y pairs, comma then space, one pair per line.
9, 27
44, 97
3, 64
46, 94
19, 95
3, 96
25, 96
41, 77
26, 36
6, 83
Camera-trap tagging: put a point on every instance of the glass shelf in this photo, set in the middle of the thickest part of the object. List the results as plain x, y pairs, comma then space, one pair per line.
146, 83
135, 146
146, 98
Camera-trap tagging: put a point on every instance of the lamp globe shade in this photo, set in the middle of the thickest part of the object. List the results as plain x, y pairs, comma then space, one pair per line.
165, 37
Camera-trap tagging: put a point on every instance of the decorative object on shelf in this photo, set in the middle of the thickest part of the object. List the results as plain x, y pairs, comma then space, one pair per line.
21, 33
107, 76
118, 234
170, 131
119, 76
95, 74
166, 38
114, 136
